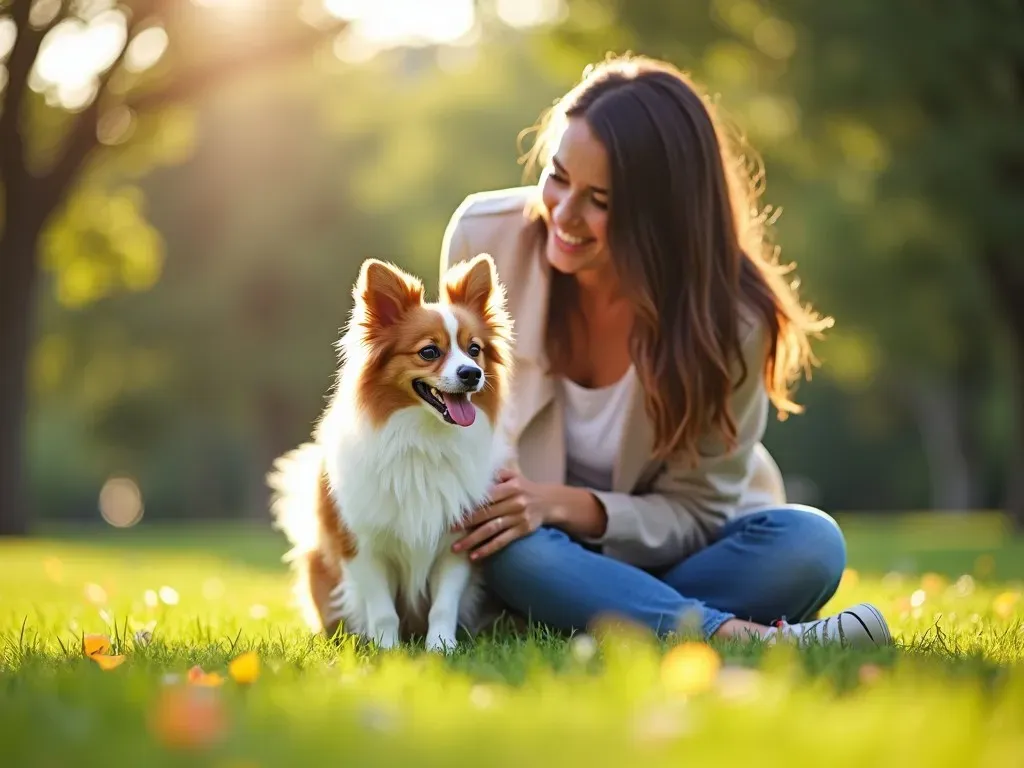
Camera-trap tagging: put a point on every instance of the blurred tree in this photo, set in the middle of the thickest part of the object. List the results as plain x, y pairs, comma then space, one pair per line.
371, 171
924, 104
85, 88
267, 197
290, 185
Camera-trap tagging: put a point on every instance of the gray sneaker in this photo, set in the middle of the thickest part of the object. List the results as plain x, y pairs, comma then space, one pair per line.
860, 626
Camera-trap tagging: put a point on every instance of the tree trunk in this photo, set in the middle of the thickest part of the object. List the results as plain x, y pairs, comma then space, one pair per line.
18, 279
1006, 280
941, 410
1015, 473
278, 434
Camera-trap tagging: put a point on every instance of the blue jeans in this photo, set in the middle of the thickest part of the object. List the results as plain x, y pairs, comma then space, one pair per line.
782, 563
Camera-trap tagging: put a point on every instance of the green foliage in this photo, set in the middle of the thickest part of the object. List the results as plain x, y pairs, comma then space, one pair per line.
100, 244
206, 258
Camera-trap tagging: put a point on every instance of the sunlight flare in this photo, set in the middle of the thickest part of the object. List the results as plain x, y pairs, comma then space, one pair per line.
146, 49
397, 22
75, 54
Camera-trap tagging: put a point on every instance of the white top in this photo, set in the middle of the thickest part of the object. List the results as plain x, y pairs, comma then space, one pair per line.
594, 420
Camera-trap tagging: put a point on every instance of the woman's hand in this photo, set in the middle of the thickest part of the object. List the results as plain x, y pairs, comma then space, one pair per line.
516, 509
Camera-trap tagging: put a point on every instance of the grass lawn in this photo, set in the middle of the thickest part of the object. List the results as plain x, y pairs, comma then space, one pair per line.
172, 600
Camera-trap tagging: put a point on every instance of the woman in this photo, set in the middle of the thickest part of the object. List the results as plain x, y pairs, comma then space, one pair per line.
652, 328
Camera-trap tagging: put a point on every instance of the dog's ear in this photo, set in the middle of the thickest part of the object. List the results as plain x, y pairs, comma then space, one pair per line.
474, 284
386, 292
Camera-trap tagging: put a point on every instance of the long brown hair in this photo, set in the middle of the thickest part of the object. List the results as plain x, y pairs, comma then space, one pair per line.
689, 246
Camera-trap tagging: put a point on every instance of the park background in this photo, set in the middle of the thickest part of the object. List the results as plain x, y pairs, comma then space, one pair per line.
187, 189
177, 255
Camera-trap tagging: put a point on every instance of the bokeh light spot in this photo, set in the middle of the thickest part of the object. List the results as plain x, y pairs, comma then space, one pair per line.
121, 502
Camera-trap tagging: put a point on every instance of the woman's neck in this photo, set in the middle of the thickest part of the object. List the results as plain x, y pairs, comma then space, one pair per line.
598, 290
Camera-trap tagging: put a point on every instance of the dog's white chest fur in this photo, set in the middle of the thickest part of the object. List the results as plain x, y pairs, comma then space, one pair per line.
399, 489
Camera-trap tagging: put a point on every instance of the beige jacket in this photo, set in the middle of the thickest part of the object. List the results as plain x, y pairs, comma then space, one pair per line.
658, 512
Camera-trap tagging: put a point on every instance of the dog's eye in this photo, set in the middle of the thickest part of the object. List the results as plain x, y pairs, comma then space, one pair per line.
474, 350
430, 352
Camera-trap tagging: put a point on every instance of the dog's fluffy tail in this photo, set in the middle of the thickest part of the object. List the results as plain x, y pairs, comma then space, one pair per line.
294, 482
297, 485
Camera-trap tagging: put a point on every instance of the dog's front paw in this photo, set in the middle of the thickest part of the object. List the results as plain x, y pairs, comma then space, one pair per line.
386, 638
439, 642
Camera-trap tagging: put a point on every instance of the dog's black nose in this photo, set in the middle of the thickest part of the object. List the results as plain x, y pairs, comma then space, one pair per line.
469, 375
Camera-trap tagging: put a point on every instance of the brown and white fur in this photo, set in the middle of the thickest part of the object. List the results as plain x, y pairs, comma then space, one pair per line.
368, 504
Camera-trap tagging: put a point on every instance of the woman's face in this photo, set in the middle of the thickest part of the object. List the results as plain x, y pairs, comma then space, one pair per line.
575, 188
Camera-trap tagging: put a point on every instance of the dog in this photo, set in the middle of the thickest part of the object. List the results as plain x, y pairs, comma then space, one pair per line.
408, 444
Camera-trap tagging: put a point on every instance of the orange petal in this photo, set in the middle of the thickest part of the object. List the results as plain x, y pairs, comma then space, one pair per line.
933, 583
188, 718
94, 644
245, 668
869, 673
196, 676
107, 663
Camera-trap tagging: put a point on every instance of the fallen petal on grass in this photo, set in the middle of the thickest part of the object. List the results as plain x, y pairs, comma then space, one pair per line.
188, 718
95, 644
197, 676
1005, 603
869, 673
245, 669
690, 668
107, 663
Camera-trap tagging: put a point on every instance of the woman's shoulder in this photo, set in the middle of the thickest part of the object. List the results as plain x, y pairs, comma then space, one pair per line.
492, 221
510, 201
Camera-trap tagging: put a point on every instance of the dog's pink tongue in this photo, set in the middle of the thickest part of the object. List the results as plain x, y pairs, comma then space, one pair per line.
460, 409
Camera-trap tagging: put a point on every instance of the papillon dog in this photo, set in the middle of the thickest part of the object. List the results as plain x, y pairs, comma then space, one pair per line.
407, 446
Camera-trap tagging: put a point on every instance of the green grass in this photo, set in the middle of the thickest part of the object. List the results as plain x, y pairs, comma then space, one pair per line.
950, 693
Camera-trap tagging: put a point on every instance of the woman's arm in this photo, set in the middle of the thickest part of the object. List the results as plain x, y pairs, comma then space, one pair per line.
577, 511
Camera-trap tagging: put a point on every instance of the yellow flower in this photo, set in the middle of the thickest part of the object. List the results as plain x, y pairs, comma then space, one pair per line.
245, 668
1005, 603
690, 668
